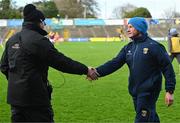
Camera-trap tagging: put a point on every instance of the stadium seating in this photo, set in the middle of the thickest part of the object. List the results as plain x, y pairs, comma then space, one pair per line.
156, 31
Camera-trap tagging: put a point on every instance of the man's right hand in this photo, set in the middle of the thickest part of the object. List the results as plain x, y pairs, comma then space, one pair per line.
92, 74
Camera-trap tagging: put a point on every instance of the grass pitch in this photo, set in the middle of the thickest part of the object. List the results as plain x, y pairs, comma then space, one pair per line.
106, 100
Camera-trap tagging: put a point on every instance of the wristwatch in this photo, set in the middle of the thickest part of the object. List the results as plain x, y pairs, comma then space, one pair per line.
171, 92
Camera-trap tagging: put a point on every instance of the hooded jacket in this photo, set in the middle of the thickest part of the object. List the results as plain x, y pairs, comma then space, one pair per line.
147, 60
25, 62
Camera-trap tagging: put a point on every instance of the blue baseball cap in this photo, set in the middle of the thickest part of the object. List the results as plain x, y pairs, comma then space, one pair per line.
139, 23
173, 31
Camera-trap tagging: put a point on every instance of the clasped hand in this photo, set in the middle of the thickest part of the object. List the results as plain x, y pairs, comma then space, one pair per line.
92, 74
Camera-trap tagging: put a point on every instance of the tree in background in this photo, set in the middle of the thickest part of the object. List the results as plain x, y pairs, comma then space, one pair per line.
170, 13
138, 12
77, 8
120, 11
129, 11
8, 10
47, 7
5, 4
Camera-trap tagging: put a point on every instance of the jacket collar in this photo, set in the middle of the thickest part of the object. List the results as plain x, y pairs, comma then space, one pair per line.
141, 38
34, 27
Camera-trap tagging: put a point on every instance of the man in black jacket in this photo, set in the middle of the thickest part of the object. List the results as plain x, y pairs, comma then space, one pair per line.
25, 62
147, 60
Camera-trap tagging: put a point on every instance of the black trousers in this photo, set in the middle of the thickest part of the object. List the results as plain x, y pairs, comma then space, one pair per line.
145, 107
32, 114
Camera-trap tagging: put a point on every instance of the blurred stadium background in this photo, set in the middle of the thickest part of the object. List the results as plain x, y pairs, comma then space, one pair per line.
85, 30
64, 28
106, 100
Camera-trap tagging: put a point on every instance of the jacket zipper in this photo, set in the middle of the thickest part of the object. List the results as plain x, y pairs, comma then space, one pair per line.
136, 47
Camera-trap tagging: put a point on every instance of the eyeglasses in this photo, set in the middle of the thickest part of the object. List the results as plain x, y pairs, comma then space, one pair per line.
43, 22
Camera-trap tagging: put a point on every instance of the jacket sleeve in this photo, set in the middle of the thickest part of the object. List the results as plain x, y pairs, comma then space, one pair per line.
166, 67
4, 63
63, 63
112, 65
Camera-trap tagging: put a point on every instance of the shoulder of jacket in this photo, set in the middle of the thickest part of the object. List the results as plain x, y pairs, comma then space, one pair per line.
155, 45
129, 44
152, 42
13, 38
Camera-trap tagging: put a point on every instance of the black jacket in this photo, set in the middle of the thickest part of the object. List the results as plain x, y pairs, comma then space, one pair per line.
147, 60
25, 62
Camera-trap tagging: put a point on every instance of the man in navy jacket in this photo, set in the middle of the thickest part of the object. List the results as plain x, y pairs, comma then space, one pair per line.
147, 61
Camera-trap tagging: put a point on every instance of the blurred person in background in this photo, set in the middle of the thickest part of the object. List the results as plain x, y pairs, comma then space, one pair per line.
1, 42
174, 46
147, 61
25, 62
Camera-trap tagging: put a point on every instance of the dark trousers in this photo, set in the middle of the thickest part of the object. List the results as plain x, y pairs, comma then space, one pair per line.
31, 114
145, 107
175, 55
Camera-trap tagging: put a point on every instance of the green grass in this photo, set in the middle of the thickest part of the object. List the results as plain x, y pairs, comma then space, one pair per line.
104, 100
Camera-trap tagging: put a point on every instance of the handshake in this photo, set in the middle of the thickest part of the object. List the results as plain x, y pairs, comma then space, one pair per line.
92, 74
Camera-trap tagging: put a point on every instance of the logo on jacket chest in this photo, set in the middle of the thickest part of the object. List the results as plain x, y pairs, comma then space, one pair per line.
145, 50
16, 46
129, 52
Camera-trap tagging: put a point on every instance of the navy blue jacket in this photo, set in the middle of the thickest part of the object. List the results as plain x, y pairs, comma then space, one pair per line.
147, 60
